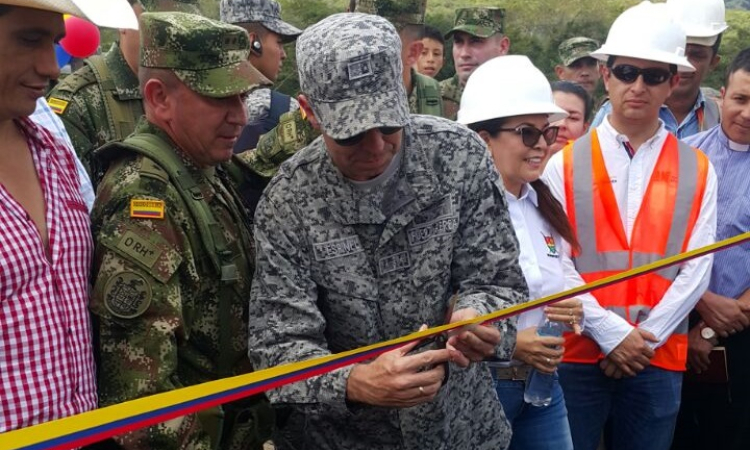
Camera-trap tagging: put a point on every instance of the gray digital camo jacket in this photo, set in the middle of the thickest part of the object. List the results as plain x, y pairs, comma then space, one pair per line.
339, 268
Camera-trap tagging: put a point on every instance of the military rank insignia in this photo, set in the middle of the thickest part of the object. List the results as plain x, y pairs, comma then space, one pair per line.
57, 105
147, 209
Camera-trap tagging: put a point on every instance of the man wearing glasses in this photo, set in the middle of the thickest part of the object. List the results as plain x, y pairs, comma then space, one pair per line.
634, 194
365, 235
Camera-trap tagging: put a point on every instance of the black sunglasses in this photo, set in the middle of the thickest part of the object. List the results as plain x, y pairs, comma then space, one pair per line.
530, 134
357, 138
652, 76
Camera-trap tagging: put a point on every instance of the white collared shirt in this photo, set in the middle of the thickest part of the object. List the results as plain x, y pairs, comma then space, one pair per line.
629, 182
542, 252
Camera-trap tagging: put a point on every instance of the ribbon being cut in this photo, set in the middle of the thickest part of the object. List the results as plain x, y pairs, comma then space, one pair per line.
97, 425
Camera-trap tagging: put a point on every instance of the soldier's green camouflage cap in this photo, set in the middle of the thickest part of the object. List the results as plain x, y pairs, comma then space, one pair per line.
350, 70
267, 12
481, 22
575, 48
186, 6
210, 57
399, 12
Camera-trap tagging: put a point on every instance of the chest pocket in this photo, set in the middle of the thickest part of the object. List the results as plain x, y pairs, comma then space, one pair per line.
430, 239
347, 293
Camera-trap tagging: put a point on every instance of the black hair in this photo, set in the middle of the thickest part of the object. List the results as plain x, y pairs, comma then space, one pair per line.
715, 47
611, 63
569, 87
740, 62
550, 209
434, 34
4, 9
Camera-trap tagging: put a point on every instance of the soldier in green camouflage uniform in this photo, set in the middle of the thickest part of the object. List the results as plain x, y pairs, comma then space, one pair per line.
354, 251
101, 102
294, 132
484, 23
174, 254
577, 65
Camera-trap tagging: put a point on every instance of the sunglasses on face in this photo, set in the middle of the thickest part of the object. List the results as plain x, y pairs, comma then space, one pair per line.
530, 134
357, 138
652, 76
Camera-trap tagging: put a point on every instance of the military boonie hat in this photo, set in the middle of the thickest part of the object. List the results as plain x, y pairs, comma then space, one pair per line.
399, 12
481, 22
351, 72
575, 48
186, 6
267, 12
210, 57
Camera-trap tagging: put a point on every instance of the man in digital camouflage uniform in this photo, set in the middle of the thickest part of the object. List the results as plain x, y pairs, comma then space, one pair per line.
268, 35
101, 102
295, 132
364, 236
477, 37
174, 254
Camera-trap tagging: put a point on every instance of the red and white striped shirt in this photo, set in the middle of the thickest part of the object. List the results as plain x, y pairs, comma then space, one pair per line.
46, 357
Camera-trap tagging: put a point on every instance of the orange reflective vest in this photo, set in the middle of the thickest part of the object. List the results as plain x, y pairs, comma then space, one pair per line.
662, 228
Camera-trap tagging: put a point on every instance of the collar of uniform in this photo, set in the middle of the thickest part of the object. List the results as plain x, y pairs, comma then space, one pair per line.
126, 82
699, 101
730, 144
417, 181
528, 193
609, 133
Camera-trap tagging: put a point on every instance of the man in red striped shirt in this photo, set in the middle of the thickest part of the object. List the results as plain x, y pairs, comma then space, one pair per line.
46, 359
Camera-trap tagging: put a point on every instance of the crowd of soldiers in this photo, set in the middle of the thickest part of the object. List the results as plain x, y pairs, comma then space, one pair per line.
169, 219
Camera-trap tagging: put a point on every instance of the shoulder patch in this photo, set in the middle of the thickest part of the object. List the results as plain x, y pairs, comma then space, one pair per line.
127, 295
139, 248
147, 209
57, 105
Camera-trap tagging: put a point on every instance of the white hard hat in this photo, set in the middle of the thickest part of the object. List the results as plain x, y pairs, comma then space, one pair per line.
507, 86
104, 13
647, 31
702, 20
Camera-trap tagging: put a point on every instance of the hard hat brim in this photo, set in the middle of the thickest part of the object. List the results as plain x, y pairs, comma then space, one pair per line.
553, 112
682, 63
111, 14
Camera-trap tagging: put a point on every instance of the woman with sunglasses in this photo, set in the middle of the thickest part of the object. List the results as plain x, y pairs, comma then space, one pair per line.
508, 102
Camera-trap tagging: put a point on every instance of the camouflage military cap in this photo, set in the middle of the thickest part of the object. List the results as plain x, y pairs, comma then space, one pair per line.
186, 6
350, 70
481, 22
267, 12
399, 12
210, 57
575, 48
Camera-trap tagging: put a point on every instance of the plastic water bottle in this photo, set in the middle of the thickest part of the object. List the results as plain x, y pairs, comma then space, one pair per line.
538, 390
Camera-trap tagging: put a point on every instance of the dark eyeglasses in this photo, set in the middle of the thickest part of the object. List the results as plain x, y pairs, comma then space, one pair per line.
652, 76
530, 134
357, 138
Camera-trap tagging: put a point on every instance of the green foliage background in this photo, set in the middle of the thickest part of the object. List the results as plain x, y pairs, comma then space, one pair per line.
535, 27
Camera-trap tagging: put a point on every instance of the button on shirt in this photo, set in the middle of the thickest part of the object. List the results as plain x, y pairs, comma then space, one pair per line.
730, 275
543, 253
630, 179
46, 358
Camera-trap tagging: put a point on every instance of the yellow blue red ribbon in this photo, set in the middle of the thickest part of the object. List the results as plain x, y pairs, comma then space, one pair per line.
100, 424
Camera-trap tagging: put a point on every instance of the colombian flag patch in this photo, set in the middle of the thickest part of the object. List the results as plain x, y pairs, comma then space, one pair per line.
147, 209
57, 105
